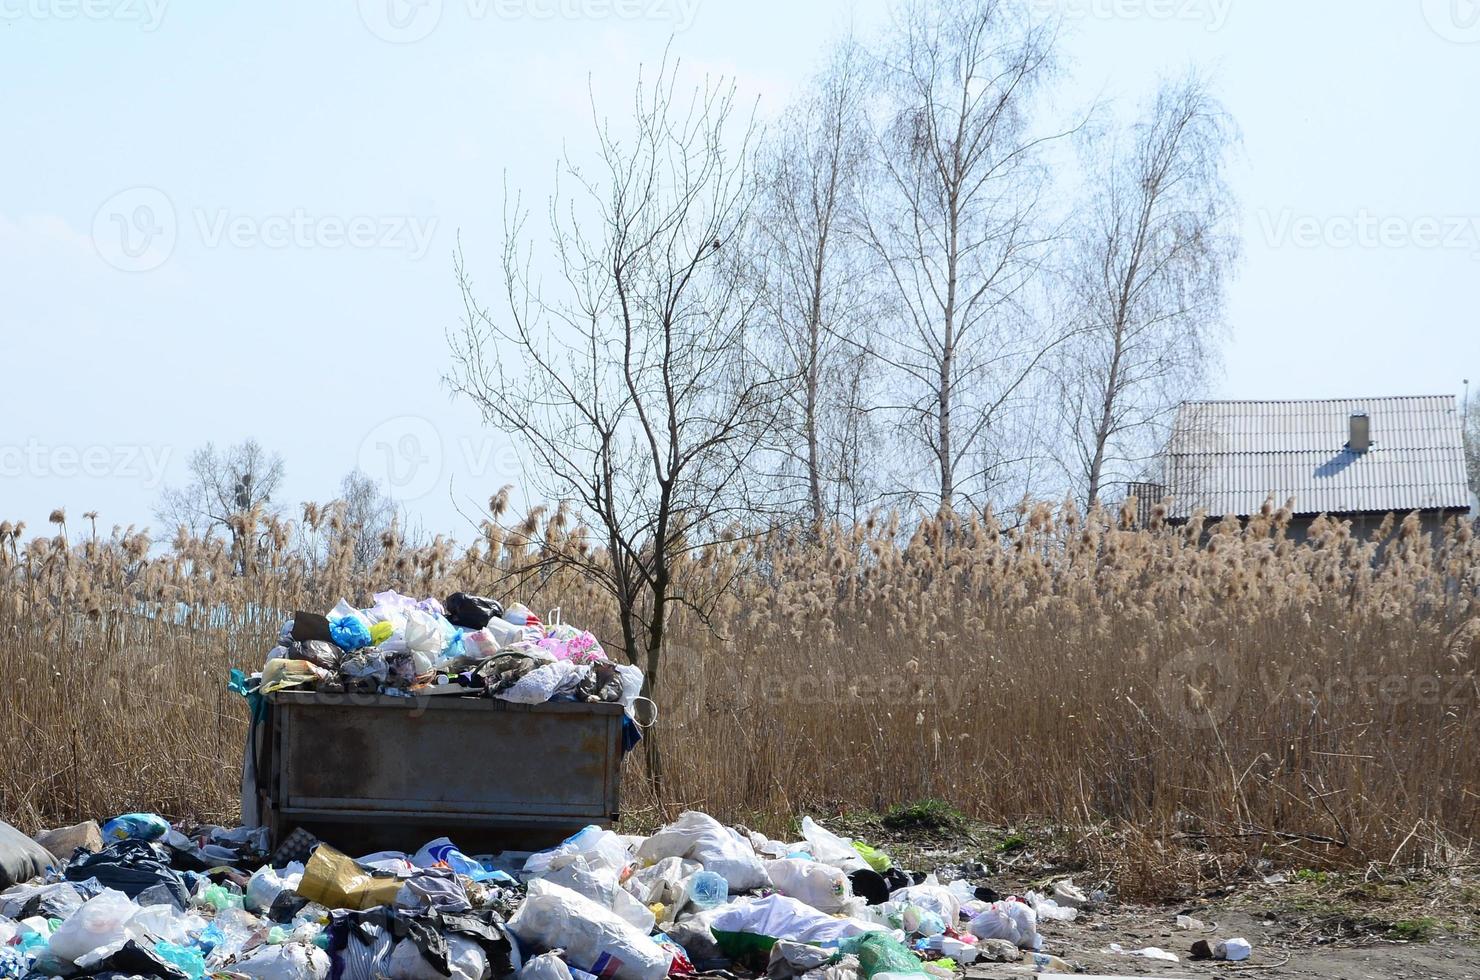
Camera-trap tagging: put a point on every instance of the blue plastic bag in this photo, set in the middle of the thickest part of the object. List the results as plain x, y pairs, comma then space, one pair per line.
136, 826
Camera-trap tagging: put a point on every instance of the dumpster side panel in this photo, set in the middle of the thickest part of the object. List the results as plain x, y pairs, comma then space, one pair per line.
458, 762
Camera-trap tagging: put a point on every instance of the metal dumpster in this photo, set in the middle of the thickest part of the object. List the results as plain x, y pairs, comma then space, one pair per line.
371, 773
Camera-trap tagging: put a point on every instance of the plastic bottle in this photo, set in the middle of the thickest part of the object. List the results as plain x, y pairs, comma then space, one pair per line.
707, 890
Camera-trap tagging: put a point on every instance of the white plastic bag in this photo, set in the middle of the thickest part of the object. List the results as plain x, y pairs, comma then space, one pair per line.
546, 682
779, 917
465, 958
163, 922
595, 939
1011, 920
932, 898
266, 884
102, 920
829, 848
1050, 911
290, 961
702, 838
821, 886
546, 966
602, 886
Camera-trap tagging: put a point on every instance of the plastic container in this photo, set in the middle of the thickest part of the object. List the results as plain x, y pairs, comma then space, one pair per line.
706, 890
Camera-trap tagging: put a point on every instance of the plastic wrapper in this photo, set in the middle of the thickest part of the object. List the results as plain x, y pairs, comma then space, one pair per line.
335, 881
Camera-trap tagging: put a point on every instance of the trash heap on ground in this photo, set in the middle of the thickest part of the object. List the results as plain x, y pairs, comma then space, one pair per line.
468, 645
138, 897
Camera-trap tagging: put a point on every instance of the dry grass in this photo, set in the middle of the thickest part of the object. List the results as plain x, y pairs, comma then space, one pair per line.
1221, 691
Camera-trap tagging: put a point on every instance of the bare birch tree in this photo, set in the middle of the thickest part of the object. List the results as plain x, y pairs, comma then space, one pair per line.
630, 385
815, 284
956, 226
1153, 249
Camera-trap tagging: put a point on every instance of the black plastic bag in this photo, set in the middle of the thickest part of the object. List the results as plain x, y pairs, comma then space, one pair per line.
130, 866
471, 611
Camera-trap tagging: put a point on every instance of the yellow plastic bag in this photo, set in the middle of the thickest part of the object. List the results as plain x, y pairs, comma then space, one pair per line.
335, 881
876, 858
380, 632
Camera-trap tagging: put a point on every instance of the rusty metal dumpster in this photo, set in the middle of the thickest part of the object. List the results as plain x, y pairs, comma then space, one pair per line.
375, 772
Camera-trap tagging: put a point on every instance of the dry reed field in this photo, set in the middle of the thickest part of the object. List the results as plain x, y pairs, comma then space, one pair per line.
1185, 695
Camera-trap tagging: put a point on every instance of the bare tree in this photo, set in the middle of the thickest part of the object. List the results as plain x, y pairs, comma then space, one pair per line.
231, 489
1153, 249
1472, 443
957, 225
815, 281
632, 387
369, 512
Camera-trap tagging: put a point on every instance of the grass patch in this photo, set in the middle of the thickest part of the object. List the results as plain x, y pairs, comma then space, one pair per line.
1418, 930
924, 815
1011, 844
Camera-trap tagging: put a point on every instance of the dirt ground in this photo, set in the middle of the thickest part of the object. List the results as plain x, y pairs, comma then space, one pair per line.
1380, 922
1282, 950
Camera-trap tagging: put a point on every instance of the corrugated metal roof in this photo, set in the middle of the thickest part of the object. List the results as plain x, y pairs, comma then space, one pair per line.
1227, 457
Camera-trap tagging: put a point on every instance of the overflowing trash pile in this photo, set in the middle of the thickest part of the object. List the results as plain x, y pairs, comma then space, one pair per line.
138, 897
466, 646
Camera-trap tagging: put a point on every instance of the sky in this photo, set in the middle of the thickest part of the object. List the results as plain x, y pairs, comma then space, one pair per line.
228, 220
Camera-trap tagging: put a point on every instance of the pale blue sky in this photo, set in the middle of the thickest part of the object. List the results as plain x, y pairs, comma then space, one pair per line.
229, 219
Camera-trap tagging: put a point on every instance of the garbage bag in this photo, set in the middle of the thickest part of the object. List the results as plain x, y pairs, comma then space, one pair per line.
879, 953
546, 966
829, 848
603, 886
465, 961
267, 883
933, 898
55, 901
546, 683
702, 838
21, 858
130, 959
471, 611
290, 961
279, 674
102, 921
876, 858
350, 633
132, 867
821, 886
756, 923
135, 826
1011, 920
335, 881
163, 923
64, 841
595, 939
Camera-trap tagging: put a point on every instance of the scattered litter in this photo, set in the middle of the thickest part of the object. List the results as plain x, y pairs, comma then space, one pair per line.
1150, 953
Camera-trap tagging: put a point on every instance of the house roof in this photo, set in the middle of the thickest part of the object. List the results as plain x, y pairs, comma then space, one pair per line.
1227, 457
